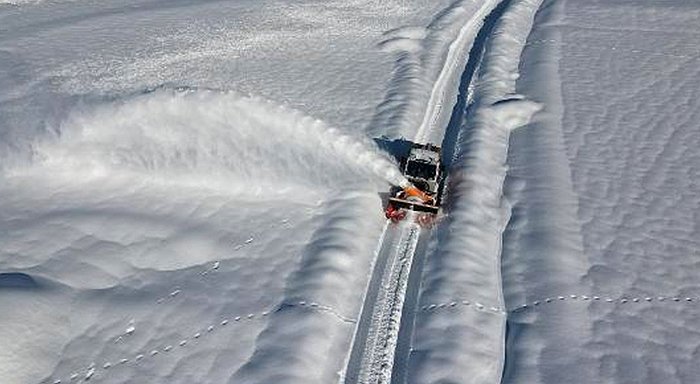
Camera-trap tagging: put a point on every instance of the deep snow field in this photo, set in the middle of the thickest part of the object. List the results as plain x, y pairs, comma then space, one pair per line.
606, 200
190, 192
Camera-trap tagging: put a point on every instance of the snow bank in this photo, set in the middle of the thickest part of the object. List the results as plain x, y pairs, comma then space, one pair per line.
466, 263
428, 64
542, 245
120, 204
313, 347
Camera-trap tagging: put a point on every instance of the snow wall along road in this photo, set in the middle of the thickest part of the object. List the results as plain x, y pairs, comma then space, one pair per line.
459, 332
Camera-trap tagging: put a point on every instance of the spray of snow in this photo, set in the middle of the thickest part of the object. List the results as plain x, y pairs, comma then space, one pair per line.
223, 138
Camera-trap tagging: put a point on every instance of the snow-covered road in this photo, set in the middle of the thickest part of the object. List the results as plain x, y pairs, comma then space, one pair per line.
375, 342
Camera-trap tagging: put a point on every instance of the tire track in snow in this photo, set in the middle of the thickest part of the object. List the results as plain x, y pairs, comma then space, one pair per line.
464, 100
378, 358
470, 254
359, 338
332, 271
383, 302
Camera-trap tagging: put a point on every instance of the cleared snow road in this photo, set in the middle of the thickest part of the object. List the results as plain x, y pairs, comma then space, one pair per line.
384, 332
372, 357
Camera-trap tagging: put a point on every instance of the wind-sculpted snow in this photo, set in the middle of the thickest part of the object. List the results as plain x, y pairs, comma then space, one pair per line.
138, 195
319, 57
603, 196
237, 143
312, 348
193, 233
542, 245
109, 255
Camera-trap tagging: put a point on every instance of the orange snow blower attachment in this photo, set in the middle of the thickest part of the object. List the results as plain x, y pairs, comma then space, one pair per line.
410, 198
421, 191
413, 193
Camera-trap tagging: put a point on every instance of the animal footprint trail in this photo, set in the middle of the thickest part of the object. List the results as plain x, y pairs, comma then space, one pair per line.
559, 299
92, 371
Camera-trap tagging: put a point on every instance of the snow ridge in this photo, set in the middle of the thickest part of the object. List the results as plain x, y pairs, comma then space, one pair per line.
470, 249
328, 273
444, 90
428, 64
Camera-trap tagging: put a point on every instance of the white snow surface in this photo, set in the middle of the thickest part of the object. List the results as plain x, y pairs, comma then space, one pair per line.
188, 190
605, 198
457, 344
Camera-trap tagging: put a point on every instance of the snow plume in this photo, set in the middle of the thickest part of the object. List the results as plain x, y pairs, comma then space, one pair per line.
365, 154
211, 139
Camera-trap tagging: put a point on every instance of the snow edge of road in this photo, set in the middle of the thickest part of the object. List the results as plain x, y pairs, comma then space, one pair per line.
470, 252
447, 82
495, 99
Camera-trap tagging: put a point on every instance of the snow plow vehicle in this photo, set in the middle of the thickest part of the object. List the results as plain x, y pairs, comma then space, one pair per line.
423, 191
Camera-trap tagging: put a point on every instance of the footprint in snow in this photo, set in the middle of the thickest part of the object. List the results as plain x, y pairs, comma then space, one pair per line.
90, 372
131, 328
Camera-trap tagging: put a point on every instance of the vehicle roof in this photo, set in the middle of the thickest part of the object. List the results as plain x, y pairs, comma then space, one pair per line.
422, 154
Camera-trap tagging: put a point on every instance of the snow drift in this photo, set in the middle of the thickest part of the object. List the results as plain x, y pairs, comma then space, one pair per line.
427, 68
331, 273
466, 262
605, 201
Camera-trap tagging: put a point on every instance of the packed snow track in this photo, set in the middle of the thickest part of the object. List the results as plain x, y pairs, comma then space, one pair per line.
372, 357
